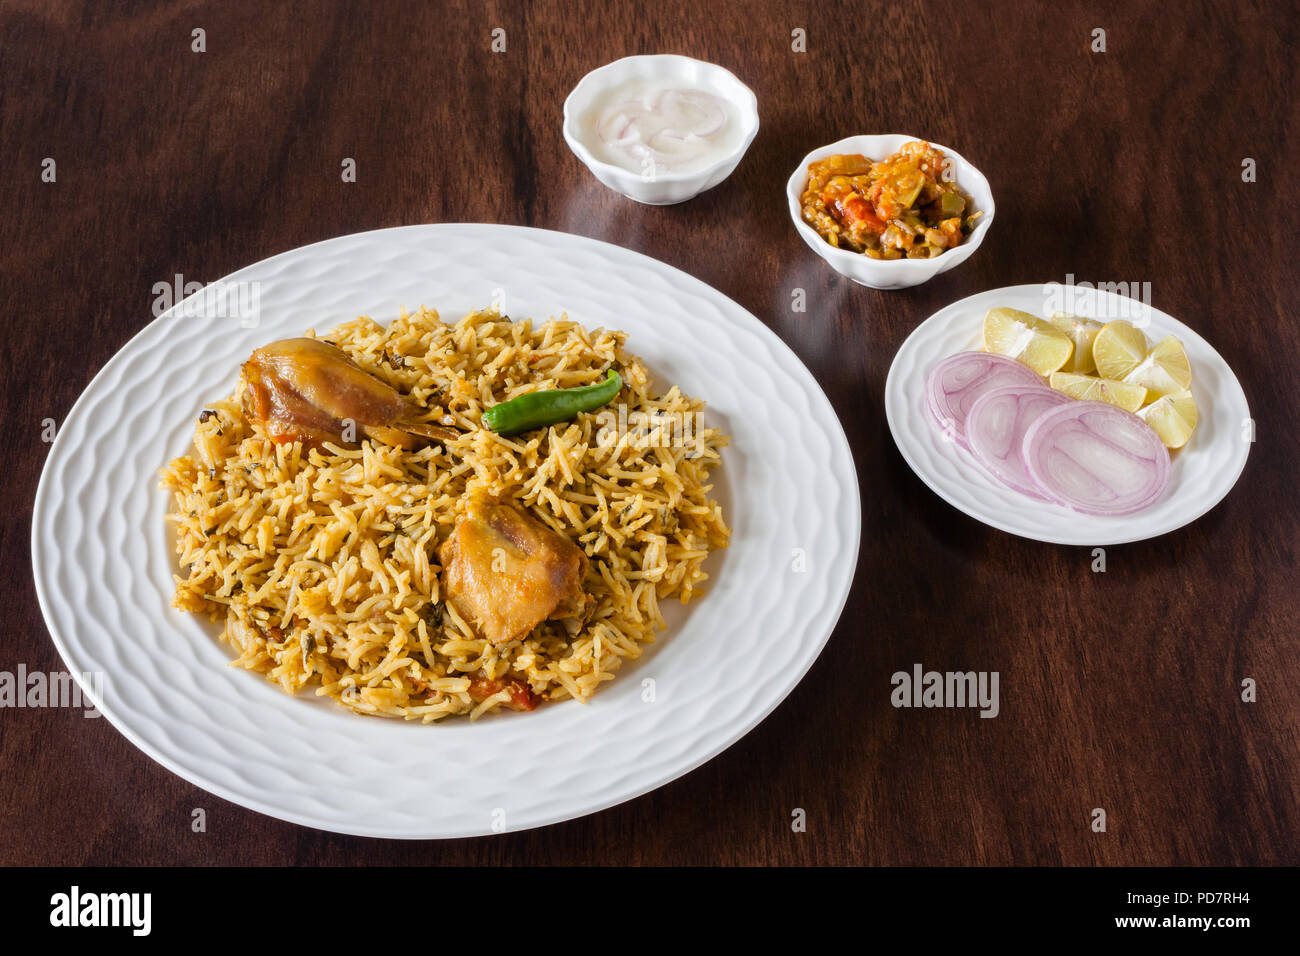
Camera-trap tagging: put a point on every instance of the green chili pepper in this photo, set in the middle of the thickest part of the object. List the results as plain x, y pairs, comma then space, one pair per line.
951, 205
537, 409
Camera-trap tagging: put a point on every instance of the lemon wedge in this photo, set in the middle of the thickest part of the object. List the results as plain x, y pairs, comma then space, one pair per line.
1092, 389
1118, 349
1164, 371
1027, 338
1173, 417
1082, 333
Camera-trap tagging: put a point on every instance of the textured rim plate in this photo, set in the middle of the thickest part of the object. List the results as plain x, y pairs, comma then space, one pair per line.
103, 563
1203, 471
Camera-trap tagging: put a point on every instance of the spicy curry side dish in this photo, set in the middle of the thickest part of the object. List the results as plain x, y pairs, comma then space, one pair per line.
905, 206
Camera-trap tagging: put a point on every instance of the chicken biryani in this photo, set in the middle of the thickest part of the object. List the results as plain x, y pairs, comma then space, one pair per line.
358, 522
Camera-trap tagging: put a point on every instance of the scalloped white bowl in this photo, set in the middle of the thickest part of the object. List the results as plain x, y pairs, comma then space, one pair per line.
103, 558
666, 188
891, 273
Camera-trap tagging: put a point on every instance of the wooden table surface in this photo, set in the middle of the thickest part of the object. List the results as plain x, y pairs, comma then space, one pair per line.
1119, 690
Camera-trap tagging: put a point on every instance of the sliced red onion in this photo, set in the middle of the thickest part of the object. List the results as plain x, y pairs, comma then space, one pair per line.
954, 384
996, 426
709, 115
1096, 459
615, 125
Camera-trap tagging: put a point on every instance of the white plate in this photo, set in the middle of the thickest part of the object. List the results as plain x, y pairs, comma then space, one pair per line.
103, 563
1203, 471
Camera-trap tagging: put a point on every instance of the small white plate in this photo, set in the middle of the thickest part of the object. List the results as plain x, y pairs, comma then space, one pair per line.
103, 560
1203, 471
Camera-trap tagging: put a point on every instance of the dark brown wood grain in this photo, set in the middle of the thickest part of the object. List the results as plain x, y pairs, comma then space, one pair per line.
1119, 690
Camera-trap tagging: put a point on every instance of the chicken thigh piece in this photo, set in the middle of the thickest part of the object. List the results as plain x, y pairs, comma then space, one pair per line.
506, 572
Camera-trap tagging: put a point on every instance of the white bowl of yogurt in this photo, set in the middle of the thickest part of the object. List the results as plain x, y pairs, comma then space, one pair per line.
660, 129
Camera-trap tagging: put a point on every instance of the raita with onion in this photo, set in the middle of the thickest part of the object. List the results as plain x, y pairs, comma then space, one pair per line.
655, 128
